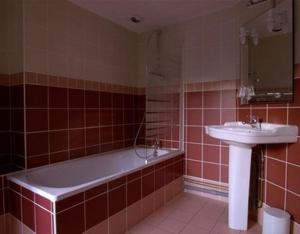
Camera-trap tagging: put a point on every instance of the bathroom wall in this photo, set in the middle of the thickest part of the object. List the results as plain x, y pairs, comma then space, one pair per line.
83, 69
11, 68
209, 66
210, 77
64, 40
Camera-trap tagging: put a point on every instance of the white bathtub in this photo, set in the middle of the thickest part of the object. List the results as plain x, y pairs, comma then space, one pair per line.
62, 180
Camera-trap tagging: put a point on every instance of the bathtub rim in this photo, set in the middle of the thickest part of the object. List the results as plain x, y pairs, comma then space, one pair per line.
15, 177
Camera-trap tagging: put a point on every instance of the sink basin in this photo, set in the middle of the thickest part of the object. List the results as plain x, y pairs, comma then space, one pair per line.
239, 132
241, 138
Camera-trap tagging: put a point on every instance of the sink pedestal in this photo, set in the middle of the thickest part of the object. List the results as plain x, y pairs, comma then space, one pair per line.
239, 180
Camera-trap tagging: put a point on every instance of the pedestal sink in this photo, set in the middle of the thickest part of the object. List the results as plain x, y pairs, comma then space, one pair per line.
241, 137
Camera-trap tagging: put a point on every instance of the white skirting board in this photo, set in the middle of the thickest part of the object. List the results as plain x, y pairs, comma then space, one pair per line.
206, 188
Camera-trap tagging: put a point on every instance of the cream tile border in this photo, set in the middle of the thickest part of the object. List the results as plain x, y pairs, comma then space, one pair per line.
211, 86
65, 82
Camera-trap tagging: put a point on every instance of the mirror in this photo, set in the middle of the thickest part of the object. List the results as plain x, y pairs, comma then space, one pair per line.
267, 55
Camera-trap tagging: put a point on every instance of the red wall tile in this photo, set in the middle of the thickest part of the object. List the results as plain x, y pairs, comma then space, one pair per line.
211, 171
92, 136
211, 99
117, 182
194, 134
37, 143
69, 202
194, 100
71, 220
58, 119
193, 117
58, 97
44, 202
275, 196
96, 191
36, 96
91, 99
91, 117
277, 115
36, 120
96, 210
77, 138
228, 99
194, 168
159, 178
194, 151
294, 152
117, 200
294, 119
58, 140
134, 189
76, 98
293, 178
105, 100
211, 153
276, 172
28, 213
211, 117
43, 221
277, 151
292, 206
147, 184
76, 118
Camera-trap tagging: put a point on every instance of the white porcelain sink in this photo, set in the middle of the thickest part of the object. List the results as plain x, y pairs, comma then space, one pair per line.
241, 138
239, 132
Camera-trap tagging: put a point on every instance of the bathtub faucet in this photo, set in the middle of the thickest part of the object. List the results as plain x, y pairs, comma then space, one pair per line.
156, 147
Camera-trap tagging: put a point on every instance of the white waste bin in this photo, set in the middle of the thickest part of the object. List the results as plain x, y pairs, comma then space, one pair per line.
276, 221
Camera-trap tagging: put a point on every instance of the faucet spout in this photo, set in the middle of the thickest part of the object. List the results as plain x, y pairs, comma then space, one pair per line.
254, 122
156, 147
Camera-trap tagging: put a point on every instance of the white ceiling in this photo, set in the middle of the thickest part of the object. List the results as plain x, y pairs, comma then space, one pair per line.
155, 13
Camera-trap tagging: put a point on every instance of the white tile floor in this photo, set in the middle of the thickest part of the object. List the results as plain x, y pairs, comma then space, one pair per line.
190, 214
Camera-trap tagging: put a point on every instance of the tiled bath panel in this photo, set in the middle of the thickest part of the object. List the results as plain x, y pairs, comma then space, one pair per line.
113, 207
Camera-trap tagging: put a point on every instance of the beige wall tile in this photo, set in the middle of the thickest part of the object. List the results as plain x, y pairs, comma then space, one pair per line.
148, 205
117, 223
134, 214
99, 228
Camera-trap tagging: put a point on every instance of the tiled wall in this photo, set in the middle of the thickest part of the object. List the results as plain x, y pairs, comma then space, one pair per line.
11, 128
31, 209
282, 164
62, 39
67, 119
115, 206
207, 158
5, 139
3, 208
209, 103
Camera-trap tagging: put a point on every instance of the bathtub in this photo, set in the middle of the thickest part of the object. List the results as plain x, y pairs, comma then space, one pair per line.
61, 180
112, 190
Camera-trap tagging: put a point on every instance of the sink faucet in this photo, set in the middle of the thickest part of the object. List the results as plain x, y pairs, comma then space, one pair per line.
254, 122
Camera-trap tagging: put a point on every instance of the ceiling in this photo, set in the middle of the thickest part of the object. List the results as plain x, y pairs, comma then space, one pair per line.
154, 13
